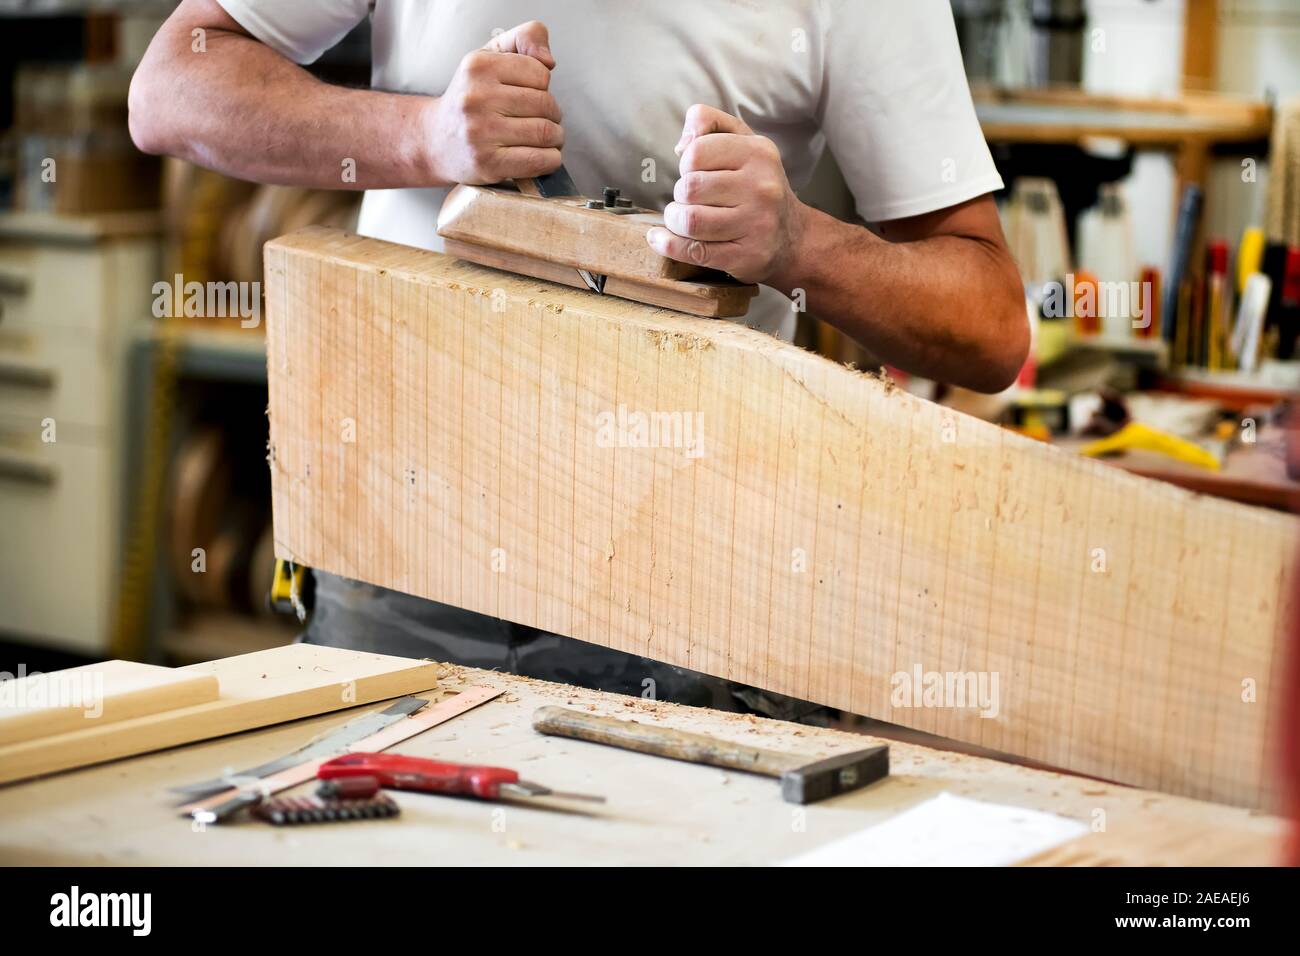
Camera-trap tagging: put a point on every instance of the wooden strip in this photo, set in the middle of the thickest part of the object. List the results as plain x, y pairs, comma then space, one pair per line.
257, 690
43, 705
561, 230
796, 525
393, 734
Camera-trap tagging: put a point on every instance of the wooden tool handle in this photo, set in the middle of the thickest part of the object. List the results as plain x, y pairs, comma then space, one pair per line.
661, 741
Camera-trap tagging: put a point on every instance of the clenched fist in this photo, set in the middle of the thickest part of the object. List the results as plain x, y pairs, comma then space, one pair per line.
732, 208
497, 120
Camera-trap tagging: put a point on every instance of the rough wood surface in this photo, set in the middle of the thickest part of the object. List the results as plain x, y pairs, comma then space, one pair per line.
258, 689
442, 429
124, 814
40, 705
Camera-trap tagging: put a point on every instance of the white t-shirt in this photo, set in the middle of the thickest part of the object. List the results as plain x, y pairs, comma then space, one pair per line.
879, 81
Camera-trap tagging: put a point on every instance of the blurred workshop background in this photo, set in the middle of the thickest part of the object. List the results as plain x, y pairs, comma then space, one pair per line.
1151, 151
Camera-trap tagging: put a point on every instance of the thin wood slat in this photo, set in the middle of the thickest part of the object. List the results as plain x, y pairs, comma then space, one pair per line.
256, 690
41, 705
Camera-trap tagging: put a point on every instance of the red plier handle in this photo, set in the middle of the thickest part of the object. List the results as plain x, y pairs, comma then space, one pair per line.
416, 773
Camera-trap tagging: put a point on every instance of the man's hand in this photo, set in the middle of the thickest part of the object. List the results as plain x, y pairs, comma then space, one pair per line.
497, 119
733, 208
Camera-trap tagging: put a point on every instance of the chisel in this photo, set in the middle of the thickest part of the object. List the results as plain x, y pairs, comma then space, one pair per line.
557, 185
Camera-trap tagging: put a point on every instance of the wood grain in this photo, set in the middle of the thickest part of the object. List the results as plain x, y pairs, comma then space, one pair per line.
436, 429
258, 689
41, 705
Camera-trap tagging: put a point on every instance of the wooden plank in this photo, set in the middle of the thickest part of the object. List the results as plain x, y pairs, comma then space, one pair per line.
561, 230
41, 705
258, 689
794, 524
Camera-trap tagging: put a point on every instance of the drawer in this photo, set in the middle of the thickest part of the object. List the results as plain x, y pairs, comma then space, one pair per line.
65, 377
15, 294
59, 553
60, 288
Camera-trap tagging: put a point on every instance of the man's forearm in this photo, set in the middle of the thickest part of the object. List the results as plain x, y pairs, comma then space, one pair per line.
945, 306
233, 104
940, 295
293, 129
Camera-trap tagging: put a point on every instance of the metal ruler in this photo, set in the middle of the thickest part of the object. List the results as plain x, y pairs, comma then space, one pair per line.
327, 745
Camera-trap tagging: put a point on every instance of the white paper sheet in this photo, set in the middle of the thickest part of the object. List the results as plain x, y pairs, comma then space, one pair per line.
948, 831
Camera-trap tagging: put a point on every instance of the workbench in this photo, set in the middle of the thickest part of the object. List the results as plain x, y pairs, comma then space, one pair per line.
659, 812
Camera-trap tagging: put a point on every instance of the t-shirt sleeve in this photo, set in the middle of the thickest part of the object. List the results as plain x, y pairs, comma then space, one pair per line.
298, 29
896, 108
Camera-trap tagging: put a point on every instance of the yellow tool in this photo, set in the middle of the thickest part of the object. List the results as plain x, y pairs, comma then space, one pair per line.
288, 585
1250, 254
1138, 437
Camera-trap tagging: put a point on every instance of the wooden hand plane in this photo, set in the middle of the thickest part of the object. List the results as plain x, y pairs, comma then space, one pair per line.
545, 228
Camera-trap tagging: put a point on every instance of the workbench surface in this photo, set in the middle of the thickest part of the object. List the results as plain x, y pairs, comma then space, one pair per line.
658, 812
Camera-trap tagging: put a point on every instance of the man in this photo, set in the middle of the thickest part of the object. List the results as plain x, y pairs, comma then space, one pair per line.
458, 97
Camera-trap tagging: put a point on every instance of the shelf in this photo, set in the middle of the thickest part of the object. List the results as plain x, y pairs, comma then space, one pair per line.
53, 227
1067, 115
1252, 474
